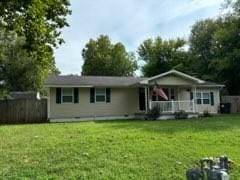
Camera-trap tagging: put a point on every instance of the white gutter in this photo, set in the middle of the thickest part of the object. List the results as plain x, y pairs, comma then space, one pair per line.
80, 86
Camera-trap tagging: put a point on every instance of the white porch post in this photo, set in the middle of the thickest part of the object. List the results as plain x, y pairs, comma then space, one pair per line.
146, 99
193, 104
149, 99
194, 99
173, 108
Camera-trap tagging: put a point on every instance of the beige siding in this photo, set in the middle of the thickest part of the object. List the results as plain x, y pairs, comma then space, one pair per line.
205, 107
172, 80
184, 94
124, 101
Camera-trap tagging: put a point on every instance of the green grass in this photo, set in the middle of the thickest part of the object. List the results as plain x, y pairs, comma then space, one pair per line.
116, 149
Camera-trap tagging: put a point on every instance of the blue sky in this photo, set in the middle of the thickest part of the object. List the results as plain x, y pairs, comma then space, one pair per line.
128, 21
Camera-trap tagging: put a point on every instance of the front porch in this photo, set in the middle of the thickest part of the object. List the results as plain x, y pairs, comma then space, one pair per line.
174, 106
180, 98
174, 91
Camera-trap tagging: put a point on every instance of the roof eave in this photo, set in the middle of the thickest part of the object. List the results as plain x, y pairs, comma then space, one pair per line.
67, 85
211, 85
172, 72
87, 86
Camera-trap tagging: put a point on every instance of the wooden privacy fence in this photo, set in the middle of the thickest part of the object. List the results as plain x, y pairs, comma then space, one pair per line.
23, 111
235, 102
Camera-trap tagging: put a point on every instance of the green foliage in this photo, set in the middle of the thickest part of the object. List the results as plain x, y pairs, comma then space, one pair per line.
200, 41
102, 58
17, 66
154, 113
160, 56
181, 115
3, 92
215, 46
39, 22
118, 149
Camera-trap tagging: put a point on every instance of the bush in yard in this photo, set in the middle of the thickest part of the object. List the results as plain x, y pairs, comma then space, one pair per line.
154, 113
181, 115
206, 113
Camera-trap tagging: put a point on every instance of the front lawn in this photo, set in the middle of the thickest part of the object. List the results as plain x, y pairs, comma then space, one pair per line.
116, 149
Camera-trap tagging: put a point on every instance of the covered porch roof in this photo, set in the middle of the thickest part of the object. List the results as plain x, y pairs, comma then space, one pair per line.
176, 78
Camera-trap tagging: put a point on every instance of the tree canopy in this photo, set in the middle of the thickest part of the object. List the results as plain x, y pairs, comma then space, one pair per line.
16, 67
39, 22
200, 43
103, 58
215, 46
162, 55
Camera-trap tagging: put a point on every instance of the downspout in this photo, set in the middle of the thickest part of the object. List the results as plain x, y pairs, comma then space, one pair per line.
48, 103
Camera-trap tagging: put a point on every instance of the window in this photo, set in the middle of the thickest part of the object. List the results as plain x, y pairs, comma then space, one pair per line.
67, 95
199, 98
206, 98
203, 98
100, 94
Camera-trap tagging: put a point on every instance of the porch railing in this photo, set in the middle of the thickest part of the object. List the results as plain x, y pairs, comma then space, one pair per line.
174, 106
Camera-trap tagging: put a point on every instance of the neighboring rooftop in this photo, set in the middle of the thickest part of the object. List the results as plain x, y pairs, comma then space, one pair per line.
25, 95
110, 81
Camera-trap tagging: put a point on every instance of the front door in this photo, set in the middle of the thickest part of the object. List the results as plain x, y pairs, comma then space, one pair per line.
142, 102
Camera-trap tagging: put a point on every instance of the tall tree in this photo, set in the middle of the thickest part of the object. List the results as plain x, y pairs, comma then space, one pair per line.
201, 41
215, 46
17, 68
162, 55
102, 58
226, 47
39, 22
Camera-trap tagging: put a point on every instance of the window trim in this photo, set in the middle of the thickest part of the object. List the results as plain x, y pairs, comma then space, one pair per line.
209, 98
69, 95
105, 95
202, 99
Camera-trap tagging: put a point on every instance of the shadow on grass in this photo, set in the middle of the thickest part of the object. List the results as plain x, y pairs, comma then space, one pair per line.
217, 123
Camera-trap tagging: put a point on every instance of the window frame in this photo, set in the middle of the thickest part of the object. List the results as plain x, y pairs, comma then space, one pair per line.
197, 98
67, 96
103, 94
209, 98
202, 98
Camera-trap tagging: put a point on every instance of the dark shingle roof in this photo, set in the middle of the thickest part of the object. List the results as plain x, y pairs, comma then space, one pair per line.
103, 81
110, 81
